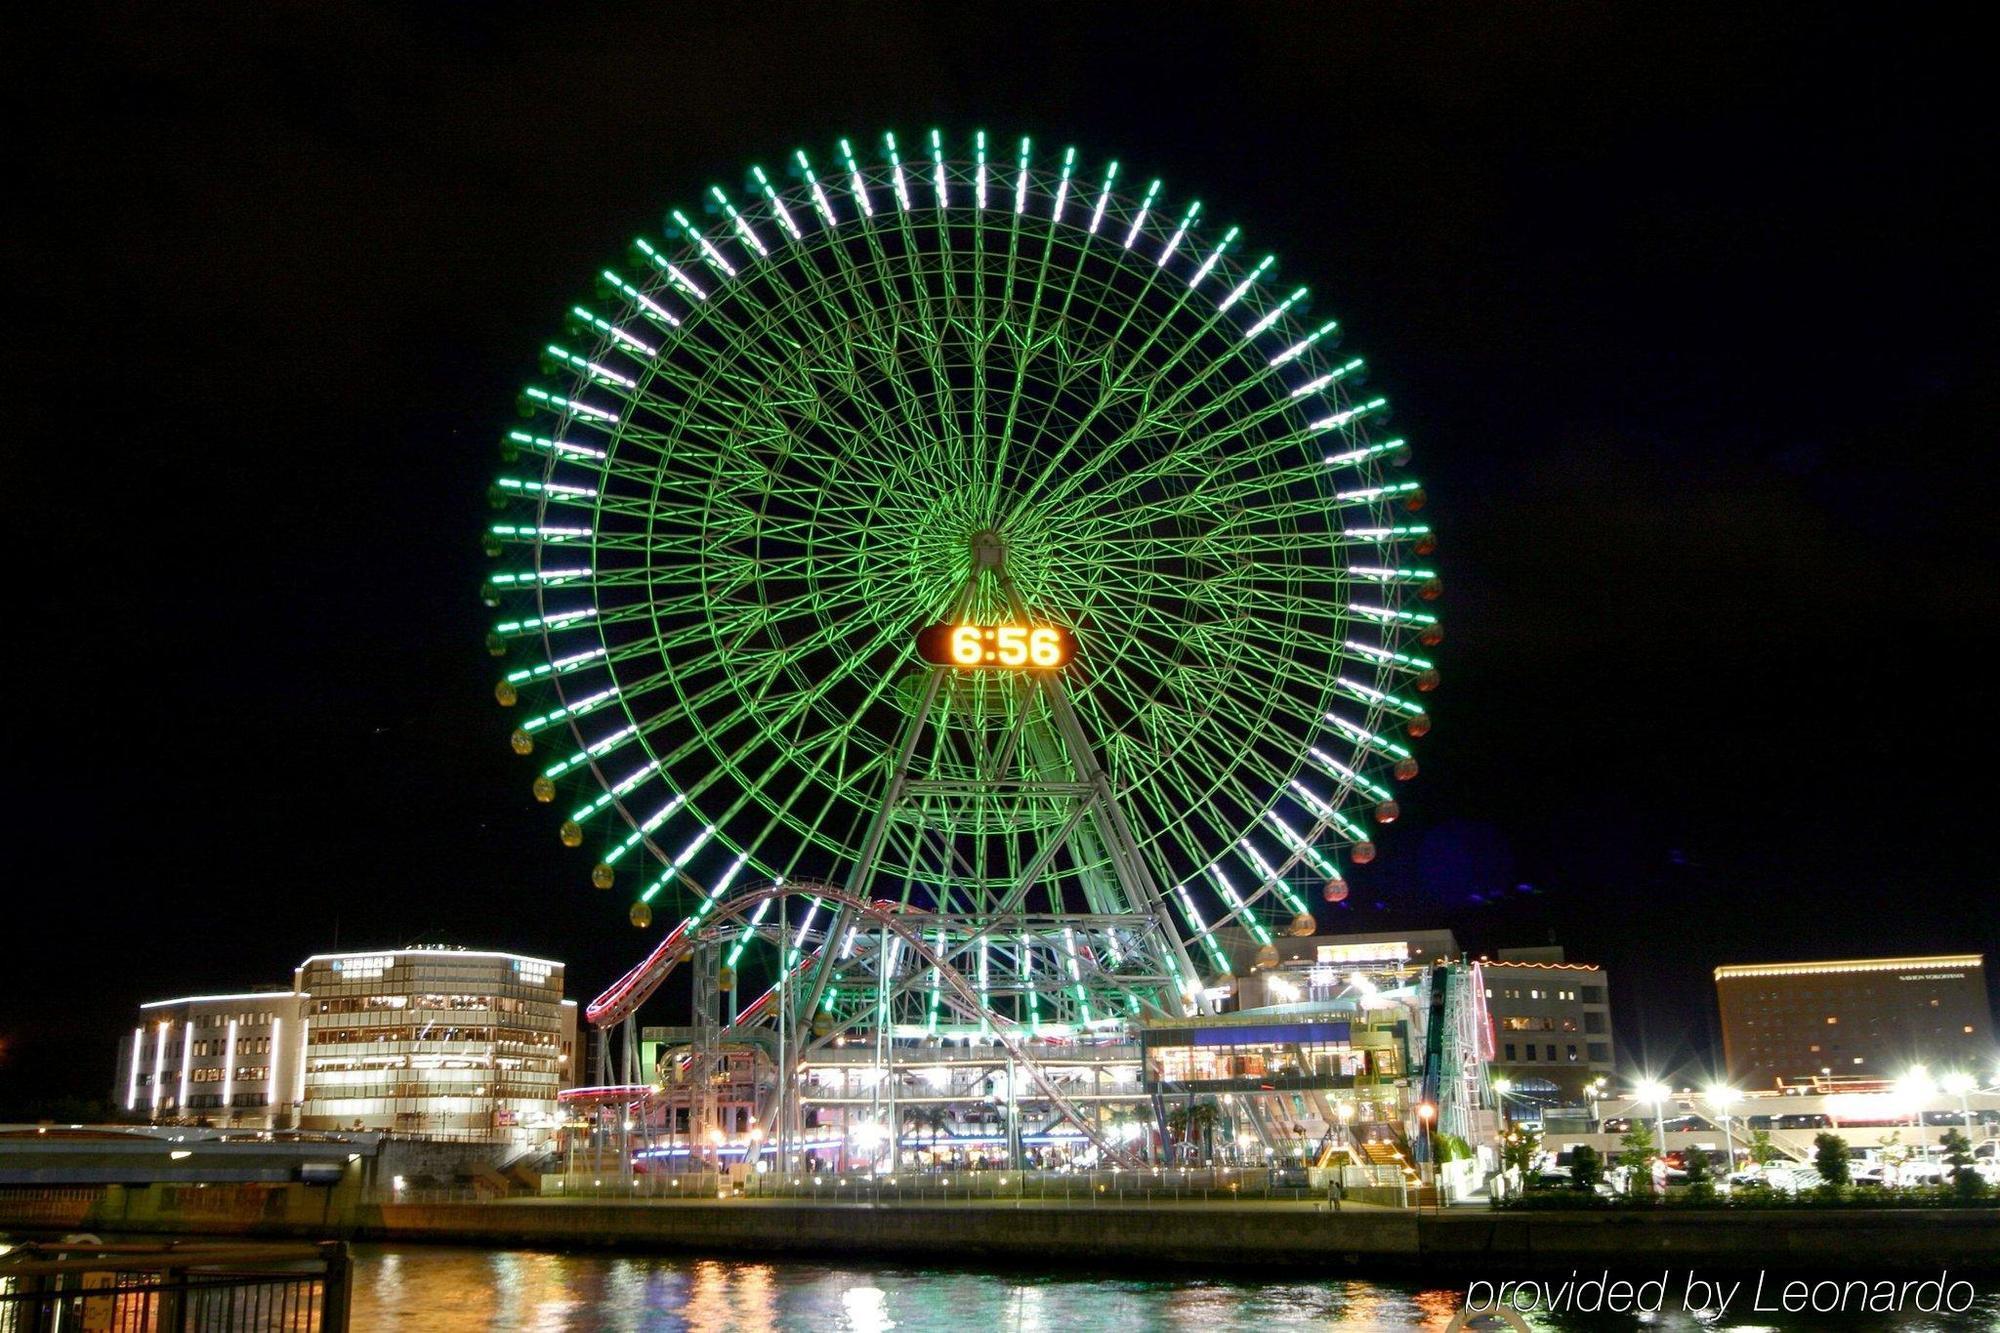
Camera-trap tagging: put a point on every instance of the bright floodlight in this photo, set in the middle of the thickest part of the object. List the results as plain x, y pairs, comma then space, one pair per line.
1957, 1083
1721, 1095
1652, 1090
1503, 1085
1917, 1083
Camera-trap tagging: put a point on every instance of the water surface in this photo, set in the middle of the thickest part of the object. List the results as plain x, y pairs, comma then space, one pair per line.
457, 1290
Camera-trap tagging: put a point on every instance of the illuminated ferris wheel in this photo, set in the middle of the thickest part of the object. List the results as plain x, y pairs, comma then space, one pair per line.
990, 534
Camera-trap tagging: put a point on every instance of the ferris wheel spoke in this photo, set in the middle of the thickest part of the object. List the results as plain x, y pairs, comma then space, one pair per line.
1112, 389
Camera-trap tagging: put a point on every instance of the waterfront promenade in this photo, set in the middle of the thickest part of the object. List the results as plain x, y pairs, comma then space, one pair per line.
1300, 1236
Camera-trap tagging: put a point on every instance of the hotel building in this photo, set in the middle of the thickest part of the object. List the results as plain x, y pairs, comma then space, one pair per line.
1866, 1018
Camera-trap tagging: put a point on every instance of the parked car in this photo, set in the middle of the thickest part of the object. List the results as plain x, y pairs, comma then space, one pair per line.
1782, 1177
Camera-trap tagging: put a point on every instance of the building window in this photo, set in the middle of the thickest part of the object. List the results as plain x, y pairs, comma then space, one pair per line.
1600, 1053
1571, 1053
1509, 1054
1593, 1022
1593, 994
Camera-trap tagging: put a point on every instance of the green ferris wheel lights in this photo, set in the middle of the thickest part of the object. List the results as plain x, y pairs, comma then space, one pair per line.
1103, 198
1337, 373
1276, 313
1214, 257
736, 220
744, 491
783, 214
854, 178
1139, 218
1304, 345
1180, 233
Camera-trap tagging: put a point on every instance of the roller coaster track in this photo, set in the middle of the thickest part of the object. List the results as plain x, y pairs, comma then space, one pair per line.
623, 998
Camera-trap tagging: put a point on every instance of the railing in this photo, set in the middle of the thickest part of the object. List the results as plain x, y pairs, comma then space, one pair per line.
167, 1289
1219, 1184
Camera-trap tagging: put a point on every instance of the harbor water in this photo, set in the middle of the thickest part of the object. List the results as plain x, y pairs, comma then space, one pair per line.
449, 1289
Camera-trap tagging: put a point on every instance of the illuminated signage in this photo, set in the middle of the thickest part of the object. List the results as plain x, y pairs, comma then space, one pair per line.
1011, 647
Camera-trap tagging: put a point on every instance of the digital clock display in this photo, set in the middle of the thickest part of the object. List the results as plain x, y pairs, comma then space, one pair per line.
1013, 647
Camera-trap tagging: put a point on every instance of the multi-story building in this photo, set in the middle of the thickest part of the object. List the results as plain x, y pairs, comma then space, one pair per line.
1317, 967
1552, 1036
421, 1041
226, 1059
433, 1041
1868, 1018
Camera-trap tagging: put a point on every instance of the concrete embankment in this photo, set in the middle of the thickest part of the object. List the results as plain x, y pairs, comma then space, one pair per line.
1295, 1236
1239, 1234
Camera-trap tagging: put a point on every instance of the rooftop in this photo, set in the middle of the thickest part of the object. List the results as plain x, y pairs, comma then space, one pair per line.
1735, 971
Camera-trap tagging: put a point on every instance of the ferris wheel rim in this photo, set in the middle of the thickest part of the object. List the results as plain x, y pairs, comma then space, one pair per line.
699, 248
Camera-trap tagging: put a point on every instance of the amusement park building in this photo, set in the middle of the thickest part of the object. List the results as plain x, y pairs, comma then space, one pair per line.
454, 1042
1872, 1018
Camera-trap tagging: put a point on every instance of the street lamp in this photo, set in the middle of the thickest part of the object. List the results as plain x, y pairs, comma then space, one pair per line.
1656, 1092
1721, 1096
1916, 1087
1960, 1084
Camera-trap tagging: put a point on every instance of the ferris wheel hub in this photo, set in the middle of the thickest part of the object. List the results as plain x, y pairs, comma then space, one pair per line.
989, 549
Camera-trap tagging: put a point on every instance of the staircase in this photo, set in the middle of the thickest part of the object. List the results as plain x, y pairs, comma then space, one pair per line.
1380, 1154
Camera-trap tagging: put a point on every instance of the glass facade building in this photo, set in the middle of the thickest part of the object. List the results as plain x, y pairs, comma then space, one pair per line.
442, 1042
458, 1043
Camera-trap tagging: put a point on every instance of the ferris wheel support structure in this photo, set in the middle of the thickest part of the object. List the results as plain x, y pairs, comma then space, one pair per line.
1015, 392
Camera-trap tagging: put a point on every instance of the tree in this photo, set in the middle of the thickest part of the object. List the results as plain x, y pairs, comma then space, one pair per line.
1966, 1182
1895, 1153
1700, 1176
1192, 1124
1518, 1152
1586, 1168
1635, 1154
1762, 1151
1830, 1157
1202, 1120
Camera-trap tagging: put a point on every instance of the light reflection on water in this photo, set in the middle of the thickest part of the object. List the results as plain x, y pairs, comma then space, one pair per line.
456, 1290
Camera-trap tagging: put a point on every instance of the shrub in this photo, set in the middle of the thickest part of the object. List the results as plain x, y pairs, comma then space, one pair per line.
1830, 1157
1586, 1168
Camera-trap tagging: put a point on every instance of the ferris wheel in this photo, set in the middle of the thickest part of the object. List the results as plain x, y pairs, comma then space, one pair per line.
988, 533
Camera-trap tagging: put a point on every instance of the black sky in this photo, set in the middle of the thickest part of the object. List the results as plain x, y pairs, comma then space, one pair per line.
1690, 317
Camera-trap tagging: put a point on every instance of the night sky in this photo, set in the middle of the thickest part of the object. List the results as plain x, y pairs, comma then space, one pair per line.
1690, 318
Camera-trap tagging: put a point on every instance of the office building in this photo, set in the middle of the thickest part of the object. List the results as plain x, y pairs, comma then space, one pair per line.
229, 1060
439, 1042
1551, 1022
